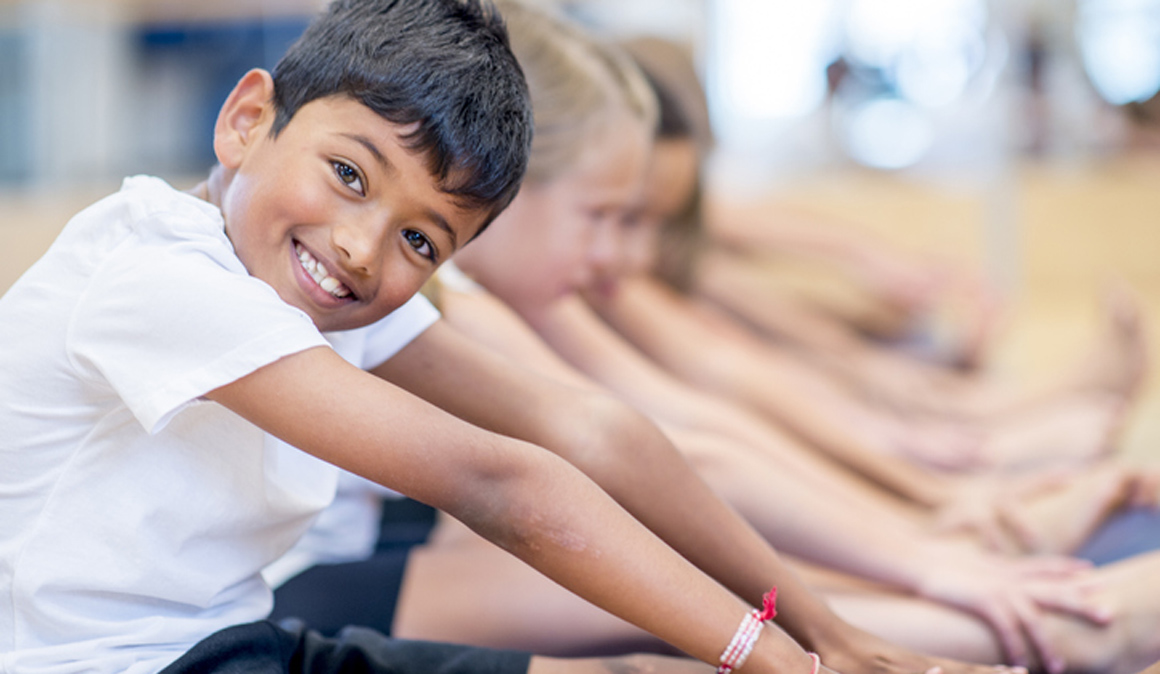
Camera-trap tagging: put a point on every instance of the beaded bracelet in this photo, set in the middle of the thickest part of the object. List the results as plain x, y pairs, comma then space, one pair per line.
817, 662
745, 638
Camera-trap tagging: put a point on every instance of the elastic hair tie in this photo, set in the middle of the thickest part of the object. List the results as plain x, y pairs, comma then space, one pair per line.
745, 638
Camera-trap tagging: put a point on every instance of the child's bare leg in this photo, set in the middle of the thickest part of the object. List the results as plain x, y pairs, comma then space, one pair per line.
624, 664
918, 624
504, 603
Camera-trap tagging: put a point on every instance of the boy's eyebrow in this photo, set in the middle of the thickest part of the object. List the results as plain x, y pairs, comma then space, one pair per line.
372, 148
438, 219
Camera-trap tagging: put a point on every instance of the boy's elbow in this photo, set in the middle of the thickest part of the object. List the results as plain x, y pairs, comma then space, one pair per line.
502, 492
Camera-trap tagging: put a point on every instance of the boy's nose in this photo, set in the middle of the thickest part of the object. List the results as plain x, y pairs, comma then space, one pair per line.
359, 245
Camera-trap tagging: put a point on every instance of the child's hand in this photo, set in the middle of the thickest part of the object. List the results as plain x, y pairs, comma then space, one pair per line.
906, 282
991, 508
1011, 595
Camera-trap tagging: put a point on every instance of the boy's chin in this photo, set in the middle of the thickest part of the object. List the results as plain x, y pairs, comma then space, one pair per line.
341, 323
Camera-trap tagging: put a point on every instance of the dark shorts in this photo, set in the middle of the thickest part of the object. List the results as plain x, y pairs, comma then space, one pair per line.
1131, 532
289, 648
329, 597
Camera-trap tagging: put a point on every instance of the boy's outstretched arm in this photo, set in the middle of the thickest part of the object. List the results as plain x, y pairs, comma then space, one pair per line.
522, 498
629, 457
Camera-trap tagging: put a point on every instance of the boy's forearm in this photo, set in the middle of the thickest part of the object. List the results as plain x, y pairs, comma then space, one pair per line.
619, 449
563, 525
676, 504
519, 496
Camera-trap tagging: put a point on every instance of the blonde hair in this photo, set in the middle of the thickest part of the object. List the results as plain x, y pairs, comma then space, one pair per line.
671, 71
684, 116
577, 83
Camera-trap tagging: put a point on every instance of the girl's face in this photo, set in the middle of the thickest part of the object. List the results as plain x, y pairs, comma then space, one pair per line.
669, 185
565, 235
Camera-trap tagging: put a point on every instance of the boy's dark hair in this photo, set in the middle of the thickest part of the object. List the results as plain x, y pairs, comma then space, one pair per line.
443, 64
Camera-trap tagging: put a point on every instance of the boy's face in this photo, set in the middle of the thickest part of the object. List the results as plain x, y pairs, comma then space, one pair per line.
335, 213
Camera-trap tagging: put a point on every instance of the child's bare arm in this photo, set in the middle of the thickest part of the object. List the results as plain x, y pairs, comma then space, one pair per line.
674, 334
524, 499
638, 466
899, 277
571, 327
621, 450
489, 322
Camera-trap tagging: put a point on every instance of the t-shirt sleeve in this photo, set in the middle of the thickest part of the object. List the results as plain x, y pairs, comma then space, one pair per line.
162, 324
389, 335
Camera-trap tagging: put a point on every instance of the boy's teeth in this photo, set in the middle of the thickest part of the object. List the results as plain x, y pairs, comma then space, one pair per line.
320, 275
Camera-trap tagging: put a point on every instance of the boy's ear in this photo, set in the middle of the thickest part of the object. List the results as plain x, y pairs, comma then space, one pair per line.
247, 112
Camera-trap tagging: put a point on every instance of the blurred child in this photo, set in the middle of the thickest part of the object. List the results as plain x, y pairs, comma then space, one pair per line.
707, 252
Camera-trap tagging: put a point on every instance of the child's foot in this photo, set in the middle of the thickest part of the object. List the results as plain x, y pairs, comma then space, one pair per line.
1061, 519
1131, 640
1119, 362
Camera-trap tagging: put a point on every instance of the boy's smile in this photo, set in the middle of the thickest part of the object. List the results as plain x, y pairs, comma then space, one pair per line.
335, 213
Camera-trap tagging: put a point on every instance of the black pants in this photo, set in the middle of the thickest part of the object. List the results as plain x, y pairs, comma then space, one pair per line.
289, 648
328, 597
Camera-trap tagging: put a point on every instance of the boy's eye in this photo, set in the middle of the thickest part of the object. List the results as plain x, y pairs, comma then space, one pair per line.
420, 243
348, 175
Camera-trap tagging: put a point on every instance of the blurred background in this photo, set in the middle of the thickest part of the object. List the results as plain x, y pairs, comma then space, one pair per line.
1021, 136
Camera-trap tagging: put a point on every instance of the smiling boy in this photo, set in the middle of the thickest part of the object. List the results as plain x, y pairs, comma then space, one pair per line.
135, 514
336, 212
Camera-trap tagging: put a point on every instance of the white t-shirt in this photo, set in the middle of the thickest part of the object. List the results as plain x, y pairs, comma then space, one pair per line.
135, 516
348, 530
